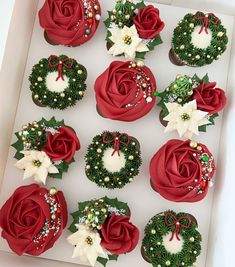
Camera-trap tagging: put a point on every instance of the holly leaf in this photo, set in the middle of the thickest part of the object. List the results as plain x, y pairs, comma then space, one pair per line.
104, 261
206, 79
156, 41
140, 5
121, 206
202, 128
140, 55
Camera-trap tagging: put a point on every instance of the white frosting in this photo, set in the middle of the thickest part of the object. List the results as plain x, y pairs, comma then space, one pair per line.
113, 163
174, 246
202, 40
56, 86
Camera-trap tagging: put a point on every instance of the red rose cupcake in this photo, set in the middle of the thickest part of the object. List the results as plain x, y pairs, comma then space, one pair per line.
125, 91
102, 230
45, 148
190, 104
32, 219
182, 171
133, 29
69, 22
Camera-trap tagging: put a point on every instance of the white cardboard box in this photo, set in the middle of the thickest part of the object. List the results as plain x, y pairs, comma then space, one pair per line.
14, 75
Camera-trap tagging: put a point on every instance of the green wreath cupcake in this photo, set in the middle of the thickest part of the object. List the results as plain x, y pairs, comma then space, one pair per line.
45, 148
198, 40
113, 159
57, 82
172, 239
102, 230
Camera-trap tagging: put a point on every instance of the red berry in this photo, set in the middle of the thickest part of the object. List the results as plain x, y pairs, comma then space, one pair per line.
90, 21
202, 184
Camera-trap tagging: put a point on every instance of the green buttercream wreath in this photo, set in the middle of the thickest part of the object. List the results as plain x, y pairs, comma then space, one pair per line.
178, 225
64, 67
182, 39
95, 169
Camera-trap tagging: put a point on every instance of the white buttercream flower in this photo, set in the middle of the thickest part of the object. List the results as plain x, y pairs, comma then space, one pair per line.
127, 41
36, 164
87, 244
185, 119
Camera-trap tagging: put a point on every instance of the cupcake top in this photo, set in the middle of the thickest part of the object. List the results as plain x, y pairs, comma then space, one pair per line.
45, 148
190, 104
57, 82
199, 39
102, 231
32, 219
172, 239
113, 159
133, 29
69, 23
182, 171
125, 91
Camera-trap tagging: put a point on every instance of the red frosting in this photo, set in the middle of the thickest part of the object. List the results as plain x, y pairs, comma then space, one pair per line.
119, 235
148, 22
62, 145
209, 98
120, 95
24, 215
66, 21
178, 172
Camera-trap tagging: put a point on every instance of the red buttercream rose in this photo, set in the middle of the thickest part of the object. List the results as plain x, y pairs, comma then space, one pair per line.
148, 22
62, 145
177, 171
27, 221
119, 235
125, 93
69, 22
209, 98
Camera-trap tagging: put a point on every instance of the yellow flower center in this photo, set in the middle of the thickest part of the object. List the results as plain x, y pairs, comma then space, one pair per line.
89, 241
185, 117
127, 39
37, 163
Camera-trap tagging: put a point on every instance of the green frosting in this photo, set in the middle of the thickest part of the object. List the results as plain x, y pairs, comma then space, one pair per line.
77, 75
185, 50
152, 244
95, 170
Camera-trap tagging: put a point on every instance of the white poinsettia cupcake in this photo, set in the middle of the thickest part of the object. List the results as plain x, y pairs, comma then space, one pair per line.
45, 148
133, 29
190, 104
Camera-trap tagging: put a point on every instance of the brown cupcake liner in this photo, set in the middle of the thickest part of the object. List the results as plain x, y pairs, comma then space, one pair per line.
163, 122
48, 40
38, 102
175, 59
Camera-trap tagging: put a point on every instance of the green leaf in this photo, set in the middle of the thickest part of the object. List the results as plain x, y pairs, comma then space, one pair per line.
102, 261
206, 79
114, 202
202, 128
140, 55
156, 41
140, 5
113, 257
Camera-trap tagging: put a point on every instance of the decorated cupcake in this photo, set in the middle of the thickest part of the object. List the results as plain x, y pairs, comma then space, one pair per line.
32, 219
198, 40
57, 82
125, 91
102, 231
182, 171
69, 23
133, 29
113, 159
45, 148
172, 239
190, 104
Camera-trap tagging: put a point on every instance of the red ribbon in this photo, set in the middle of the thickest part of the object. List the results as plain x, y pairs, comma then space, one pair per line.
60, 63
206, 20
116, 140
177, 222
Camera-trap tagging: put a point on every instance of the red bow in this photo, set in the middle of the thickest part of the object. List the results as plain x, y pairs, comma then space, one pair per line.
116, 140
177, 222
206, 20
60, 63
